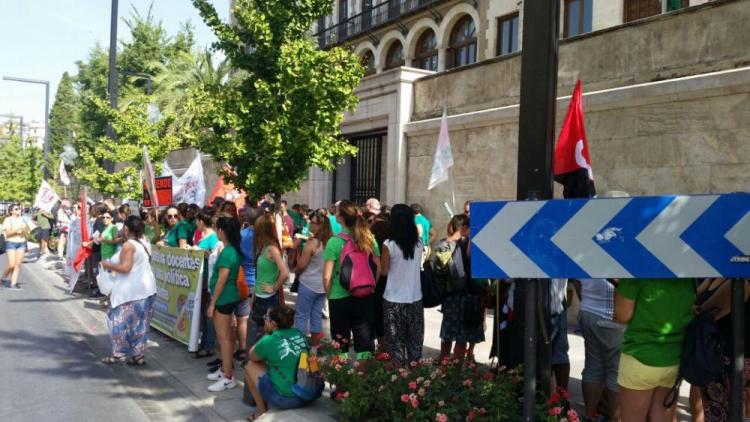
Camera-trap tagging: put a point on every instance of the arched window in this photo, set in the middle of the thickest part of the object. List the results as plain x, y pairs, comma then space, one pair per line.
463, 43
395, 56
427, 53
368, 60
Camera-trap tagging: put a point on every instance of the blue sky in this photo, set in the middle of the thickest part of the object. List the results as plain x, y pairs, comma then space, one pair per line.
41, 39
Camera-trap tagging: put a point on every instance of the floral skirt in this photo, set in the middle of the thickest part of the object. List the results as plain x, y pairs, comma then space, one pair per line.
716, 395
128, 327
462, 319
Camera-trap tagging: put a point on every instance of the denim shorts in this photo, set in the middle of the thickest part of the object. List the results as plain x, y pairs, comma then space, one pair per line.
602, 339
243, 308
15, 245
273, 398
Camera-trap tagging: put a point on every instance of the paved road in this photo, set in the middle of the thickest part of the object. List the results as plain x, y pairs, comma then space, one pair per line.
49, 361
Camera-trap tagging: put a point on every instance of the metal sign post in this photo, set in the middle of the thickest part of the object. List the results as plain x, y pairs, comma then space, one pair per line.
536, 132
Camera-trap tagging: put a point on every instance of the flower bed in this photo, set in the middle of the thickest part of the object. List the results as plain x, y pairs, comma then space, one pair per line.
378, 390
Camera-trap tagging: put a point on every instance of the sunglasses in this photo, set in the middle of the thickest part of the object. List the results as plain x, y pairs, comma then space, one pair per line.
107, 217
16, 209
171, 216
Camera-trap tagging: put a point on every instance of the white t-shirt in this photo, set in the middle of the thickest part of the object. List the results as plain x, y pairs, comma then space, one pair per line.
403, 284
598, 297
14, 224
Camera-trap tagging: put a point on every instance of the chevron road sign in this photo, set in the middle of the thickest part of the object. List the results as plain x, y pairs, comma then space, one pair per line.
640, 237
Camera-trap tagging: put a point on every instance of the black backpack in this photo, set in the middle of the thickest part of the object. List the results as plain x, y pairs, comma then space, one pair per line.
703, 354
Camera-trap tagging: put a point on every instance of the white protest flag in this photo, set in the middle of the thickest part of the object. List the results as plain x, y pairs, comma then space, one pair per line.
46, 198
190, 187
148, 178
443, 156
167, 171
64, 179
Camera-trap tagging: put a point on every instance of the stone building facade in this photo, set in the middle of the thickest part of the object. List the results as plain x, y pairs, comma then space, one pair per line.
666, 97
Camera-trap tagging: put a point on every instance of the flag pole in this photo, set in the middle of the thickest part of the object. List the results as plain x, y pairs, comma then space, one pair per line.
453, 190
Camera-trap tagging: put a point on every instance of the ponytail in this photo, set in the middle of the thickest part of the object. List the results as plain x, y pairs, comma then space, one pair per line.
353, 220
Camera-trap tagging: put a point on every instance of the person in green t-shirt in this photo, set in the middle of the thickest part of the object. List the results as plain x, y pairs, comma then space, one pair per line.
224, 299
272, 369
108, 238
424, 227
178, 231
657, 313
350, 316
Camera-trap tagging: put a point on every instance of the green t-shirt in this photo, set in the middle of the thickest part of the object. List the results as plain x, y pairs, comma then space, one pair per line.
43, 221
296, 219
208, 243
109, 233
150, 233
663, 309
422, 221
181, 230
281, 349
335, 226
333, 250
228, 258
266, 273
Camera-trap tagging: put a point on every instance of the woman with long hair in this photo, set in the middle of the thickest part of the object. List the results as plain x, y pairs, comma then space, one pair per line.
15, 246
224, 299
177, 234
452, 268
153, 228
311, 296
351, 317
402, 301
270, 269
132, 297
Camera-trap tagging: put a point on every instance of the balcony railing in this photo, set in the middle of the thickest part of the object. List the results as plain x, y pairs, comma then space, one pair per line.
379, 15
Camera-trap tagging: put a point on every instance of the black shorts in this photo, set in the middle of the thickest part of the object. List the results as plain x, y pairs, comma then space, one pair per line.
228, 308
44, 234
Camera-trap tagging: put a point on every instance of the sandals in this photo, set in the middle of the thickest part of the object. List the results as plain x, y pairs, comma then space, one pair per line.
254, 417
111, 360
202, 353
137, 361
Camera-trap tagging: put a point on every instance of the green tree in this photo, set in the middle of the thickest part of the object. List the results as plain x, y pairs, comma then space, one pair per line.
92, 85
20, 171
281, 112
134, 131
63, 117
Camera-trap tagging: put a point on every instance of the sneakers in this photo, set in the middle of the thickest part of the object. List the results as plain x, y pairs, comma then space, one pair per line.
215, 375
16, 288
4, 283
222, 384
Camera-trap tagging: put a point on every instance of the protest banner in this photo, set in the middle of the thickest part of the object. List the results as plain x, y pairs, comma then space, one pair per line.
178, 293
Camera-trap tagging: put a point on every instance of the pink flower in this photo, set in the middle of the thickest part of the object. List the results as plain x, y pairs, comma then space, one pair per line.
414, 364
441, 403
356, 364
472, 414
415, 403
413, 385
421, 392
573, 415
412, 396
427, 383
337, 367
404, 398
441, 417
335, 345
554, 411
467, 382
482, 411
346, 394
420, 379
405, 374
488, 375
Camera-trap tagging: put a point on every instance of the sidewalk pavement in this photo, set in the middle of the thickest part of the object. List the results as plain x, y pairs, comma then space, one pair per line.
169, 361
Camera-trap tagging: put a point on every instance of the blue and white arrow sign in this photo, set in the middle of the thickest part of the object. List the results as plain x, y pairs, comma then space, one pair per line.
641, 237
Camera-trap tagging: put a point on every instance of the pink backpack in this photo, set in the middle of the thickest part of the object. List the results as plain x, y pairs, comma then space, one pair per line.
358, 269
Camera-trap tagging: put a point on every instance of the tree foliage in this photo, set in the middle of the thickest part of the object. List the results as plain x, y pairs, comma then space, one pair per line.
133, 131
63, 117
281, 112
20, 171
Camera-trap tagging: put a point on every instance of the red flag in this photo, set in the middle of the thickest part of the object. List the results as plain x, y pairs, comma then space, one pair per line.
572, 163
84, 251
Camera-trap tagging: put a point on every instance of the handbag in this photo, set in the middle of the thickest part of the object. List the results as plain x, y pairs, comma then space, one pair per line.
433, 291
105, 281
2, 244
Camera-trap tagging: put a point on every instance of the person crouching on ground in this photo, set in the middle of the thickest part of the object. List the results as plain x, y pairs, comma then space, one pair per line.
132, 297
272, 369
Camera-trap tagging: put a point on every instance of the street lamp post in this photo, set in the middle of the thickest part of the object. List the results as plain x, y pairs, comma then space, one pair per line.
46, 115
20, 122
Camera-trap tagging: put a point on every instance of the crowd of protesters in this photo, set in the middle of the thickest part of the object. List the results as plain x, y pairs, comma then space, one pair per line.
633, 330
